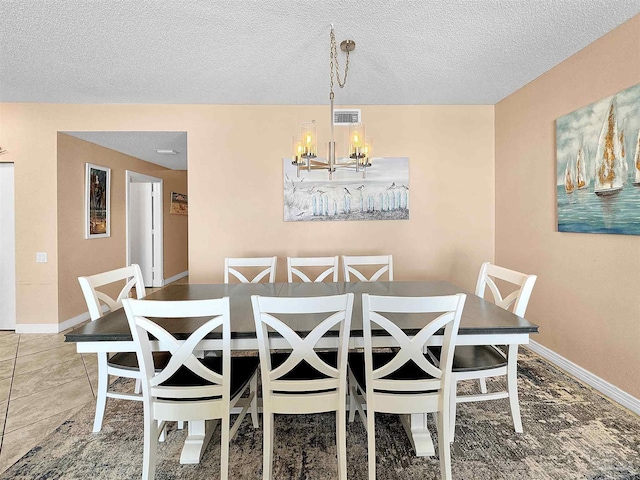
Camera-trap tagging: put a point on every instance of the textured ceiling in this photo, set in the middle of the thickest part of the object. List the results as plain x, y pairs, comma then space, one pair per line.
277, 51
142, 145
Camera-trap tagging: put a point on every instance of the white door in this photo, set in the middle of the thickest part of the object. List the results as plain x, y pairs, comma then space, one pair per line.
141, 229
7, 249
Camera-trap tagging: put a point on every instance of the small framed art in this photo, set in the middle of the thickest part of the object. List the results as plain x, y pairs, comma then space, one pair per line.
179, 204
97, 201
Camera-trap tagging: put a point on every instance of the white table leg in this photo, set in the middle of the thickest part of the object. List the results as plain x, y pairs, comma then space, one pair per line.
419, 435
199, 434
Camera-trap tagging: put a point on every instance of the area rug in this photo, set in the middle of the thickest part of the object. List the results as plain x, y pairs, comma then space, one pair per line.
570, 432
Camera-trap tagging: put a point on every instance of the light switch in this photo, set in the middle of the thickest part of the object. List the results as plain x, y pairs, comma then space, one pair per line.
41, 257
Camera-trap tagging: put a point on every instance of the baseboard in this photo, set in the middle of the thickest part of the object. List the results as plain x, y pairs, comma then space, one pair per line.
169, 280
55, 327
37, 328
604, 387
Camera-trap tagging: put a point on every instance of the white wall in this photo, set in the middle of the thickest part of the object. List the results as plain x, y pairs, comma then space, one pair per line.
7, 249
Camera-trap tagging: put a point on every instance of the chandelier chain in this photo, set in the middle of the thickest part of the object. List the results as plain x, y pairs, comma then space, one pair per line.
333, 57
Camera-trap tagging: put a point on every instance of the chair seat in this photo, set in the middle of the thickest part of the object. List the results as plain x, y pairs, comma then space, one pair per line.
242, 370
304, 371
409, 371
129, 361
468, 358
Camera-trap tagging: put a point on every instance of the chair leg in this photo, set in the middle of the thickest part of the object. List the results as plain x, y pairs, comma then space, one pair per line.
371, 443
353, 390
452, 409
150, 448
483, 384
101, 396
444, 447
267, 443
341, 441
162, 435
512, 386
138, 387
181, 425
224, 447
253, 387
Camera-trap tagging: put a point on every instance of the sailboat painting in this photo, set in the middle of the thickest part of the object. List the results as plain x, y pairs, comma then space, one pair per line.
382, 195
598, 166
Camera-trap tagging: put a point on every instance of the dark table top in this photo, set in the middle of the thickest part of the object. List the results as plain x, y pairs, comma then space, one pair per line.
479, 317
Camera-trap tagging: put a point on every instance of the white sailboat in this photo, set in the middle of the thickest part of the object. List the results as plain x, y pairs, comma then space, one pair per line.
636, 162
582, 181
623, 152
569, 185
609, 170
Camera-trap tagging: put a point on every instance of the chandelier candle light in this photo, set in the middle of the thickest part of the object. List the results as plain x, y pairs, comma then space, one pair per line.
305, 147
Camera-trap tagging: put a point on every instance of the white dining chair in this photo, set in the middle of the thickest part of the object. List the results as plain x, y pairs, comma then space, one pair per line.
268, 265
295, 263
405, 381
189, 388
122, 364
483, 361
303, 379
350, 262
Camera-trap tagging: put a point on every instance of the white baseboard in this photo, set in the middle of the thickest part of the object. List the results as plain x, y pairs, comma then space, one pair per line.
169, 280
37, 327
55, 327
604, 387
77, 320
72, 322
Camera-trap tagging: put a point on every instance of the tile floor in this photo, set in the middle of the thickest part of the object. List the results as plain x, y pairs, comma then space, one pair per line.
43, 382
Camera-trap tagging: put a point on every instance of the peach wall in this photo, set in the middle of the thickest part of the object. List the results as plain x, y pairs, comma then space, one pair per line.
175, 227
79, 256
450, 230
236, 187
586, 299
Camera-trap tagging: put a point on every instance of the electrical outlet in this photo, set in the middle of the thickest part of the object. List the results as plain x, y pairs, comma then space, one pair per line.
41, 257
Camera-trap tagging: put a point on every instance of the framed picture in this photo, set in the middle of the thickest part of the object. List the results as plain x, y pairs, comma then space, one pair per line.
179, 204
97, 201
383, 195
598, 166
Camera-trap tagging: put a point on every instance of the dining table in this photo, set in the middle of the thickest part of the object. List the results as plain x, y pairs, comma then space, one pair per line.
482, 323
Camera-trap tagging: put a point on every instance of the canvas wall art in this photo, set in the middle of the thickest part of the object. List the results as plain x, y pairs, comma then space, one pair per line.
598, 166
97, 201
179, 204
382, 195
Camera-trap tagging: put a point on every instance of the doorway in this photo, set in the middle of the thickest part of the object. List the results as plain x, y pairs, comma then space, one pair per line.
7, 248
144, 226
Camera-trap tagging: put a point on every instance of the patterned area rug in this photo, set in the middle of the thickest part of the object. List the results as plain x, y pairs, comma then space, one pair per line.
571, 432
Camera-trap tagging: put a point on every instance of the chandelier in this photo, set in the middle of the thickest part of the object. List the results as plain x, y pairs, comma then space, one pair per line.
305, 145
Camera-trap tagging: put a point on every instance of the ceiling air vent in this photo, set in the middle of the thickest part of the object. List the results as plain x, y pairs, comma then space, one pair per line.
345, 116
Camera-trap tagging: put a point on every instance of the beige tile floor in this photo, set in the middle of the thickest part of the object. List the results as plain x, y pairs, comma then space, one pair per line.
43, 382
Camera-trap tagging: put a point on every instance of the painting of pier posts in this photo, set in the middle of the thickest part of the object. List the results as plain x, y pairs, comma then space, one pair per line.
382, 195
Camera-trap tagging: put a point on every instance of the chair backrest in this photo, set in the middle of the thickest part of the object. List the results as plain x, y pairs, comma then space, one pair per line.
214, 314
230, 265
431, 377
131, 275
517, 300
283, 315
349, 262
294, 262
